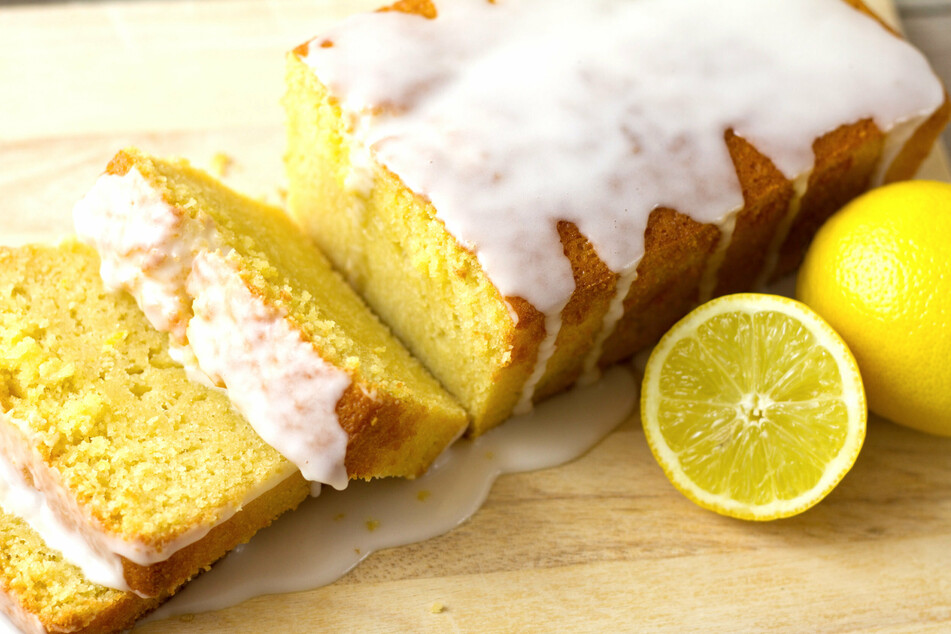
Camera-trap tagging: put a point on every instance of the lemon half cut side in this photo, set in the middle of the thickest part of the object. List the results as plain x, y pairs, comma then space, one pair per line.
753, 406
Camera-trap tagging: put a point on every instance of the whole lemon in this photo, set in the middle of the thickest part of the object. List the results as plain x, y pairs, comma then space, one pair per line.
879, 271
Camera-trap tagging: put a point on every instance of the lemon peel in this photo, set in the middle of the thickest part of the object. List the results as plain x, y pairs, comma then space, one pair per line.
879, 272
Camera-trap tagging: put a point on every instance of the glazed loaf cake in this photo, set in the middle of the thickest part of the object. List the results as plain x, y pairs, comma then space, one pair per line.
528, 191
139, 476
252, 304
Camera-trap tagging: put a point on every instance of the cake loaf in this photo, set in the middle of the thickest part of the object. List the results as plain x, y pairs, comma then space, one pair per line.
526, 191
252, 305
139, 476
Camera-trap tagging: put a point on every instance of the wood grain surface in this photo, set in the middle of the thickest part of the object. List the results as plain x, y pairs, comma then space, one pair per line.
601, 544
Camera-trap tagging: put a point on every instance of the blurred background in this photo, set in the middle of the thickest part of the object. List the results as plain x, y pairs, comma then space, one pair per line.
928, 24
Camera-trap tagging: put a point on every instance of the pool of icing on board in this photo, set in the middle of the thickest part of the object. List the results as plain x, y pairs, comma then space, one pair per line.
329, 535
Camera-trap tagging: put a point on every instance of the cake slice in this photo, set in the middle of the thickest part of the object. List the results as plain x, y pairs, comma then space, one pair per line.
41, 592
251, 304
526, 191
137, 474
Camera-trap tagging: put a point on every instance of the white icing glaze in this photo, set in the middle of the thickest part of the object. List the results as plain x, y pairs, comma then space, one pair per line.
145, 245
274, 377
545, 351
185, 357
324, 538
283, 387
511, 116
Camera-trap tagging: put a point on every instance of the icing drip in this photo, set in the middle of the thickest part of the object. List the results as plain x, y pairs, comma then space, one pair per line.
490, 113
274, 377
771, 260
26, 622
324, 538
708, 281
545, 350
613, 315
894, 142
151, 255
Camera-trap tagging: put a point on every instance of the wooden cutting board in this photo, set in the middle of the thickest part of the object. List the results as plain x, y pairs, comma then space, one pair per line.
604, 543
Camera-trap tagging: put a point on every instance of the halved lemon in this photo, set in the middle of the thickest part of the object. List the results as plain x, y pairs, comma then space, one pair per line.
753, 406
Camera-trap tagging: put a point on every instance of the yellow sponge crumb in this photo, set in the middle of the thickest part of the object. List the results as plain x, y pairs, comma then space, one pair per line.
90, 391
95, 382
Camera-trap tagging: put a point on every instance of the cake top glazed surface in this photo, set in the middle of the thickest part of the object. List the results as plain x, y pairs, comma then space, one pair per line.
511, 116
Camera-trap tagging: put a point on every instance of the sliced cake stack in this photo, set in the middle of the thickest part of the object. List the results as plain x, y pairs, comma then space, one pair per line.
118, 447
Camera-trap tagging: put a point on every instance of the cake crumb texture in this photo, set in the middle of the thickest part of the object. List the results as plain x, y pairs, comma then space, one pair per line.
397, 416
144, 450
119, 434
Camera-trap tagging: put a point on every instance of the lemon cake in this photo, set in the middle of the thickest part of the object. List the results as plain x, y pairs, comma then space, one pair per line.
42, 592
526, 191
252, 305
136, 474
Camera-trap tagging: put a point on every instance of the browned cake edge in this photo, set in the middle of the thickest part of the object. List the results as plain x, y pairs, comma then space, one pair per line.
118, 610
